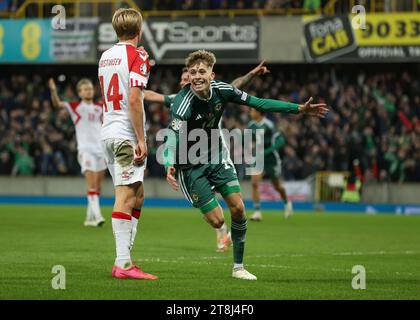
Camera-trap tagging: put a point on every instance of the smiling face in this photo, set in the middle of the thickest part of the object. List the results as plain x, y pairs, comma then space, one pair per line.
200, 69
200, 75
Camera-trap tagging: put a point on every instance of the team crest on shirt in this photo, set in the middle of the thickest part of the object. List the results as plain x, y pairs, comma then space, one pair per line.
176, 124
195, 197
143, 69
218, 107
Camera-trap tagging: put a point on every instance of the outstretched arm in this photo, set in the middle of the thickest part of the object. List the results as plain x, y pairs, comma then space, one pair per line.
54, 95
152, 96
313, 109
232, 94
244, 80
269, 105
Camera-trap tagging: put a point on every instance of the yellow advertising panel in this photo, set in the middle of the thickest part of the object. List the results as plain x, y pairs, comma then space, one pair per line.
362, 37
388, 29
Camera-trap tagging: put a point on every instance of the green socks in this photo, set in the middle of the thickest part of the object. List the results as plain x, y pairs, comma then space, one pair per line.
238, 233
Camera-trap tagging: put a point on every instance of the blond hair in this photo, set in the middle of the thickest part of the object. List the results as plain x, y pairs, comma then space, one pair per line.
82, 82
198, 56
127, 23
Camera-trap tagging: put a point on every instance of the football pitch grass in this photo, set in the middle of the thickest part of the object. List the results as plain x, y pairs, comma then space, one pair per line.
309, 256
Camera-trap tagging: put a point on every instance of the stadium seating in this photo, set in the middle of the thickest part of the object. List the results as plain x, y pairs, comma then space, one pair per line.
375, 118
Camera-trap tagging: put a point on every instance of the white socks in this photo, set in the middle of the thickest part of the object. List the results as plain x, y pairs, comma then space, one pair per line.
89, 214
222, 231
93, 211
237, 266
135, 216
122, 227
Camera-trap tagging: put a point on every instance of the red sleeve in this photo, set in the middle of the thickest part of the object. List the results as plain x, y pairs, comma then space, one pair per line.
138, 66
74, 105
72, 109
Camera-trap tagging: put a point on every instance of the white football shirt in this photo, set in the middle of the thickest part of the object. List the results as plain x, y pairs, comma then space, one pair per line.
87, 119
121, 67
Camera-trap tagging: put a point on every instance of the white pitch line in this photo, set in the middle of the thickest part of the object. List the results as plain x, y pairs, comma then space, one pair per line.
355, 253
256, 265
407, 252
276, 255
374, 253
222, 257
208, 263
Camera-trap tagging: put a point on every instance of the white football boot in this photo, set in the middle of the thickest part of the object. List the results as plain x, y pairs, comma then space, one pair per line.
288, 209
257, 216
241, 273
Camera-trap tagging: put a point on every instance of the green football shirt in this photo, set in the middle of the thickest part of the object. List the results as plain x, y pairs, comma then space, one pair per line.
190, 112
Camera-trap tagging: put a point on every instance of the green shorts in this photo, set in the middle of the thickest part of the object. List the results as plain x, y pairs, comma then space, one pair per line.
199, 183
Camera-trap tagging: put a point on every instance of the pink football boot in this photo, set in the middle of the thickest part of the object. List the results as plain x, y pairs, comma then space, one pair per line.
133, 272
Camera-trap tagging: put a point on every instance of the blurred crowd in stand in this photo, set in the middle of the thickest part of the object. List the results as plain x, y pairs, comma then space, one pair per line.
374, 118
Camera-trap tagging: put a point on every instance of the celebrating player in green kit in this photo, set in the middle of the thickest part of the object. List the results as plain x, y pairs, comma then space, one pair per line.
200, 105
223, 237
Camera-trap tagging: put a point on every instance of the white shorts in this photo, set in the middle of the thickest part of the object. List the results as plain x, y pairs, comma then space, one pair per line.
91, 162
119, 156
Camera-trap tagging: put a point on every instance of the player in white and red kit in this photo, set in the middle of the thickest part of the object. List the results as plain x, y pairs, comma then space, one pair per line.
87, 118
123, 74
